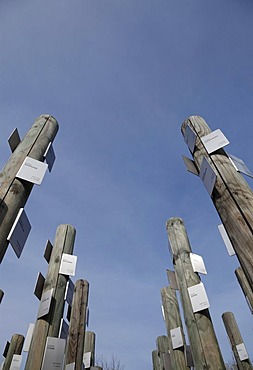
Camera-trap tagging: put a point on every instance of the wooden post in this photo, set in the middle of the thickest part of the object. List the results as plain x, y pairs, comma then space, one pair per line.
14, 192
15, 348
89, 345
155, 360
245, 287
50, 323
205, 349
173, 321
232, 197
235, 339
75, 342
162, 343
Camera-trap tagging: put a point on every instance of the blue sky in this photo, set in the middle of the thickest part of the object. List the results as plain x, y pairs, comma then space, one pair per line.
120, 77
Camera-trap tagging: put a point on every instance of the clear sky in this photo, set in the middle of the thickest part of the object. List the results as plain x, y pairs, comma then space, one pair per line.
120, 76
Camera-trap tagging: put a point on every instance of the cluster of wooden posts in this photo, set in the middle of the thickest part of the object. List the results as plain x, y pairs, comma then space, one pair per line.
50, 342
233, 200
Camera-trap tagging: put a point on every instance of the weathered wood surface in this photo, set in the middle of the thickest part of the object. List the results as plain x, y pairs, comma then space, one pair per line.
50, 323
235, 338
204, 345
155, 360
162, 344
75, 342
245, 287
173, 321
89, 345
232, 197
15, 348
14, 192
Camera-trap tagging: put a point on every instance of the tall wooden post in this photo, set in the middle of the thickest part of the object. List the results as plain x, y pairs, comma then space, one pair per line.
89, 345
14, 192
231, 196
205, 349
245, 287
235, 340
50, 323
162, 344
173, 321
15, 348
75, 342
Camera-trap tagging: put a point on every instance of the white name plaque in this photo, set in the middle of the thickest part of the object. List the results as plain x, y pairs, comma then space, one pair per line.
70, 366
214, 141
50, 156
86, 359
19, 232
198, 263
32, 170
190, 138
239, 165
190, 165
54, 354
198, 297
176, 338
45, 303
242, 352
68, 264
207, 175
28, 338
226, 240
16, 362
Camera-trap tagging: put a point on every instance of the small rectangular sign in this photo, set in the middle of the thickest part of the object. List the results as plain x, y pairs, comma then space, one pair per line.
16, 362
176, 338
190, 138
14, 140
69, 292
242, 352
64, 330
32, 170
45, 303
28, 338
198, 263
70, 366
54, 354
68, 264
198, 297
239, 165
50, 156
226, 240
48, 251
39, 286
86, 359
190, 165
207, 175
162, 308
19, 232
214, 141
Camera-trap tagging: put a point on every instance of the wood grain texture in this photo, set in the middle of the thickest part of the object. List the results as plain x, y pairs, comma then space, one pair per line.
235, 339
50, 323
89, 345
245, 287
15, 348
173, 321
162, 344
232, 197
75, 343
155, 360
204, 345
14, 192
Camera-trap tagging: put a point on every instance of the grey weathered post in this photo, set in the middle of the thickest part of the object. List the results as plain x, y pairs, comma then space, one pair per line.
162, 344
173, 321
235, 340
14, 192
50, 323
231, 196
155, 360
15, 348
75, 342
204, 345
89, 345
245, 287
